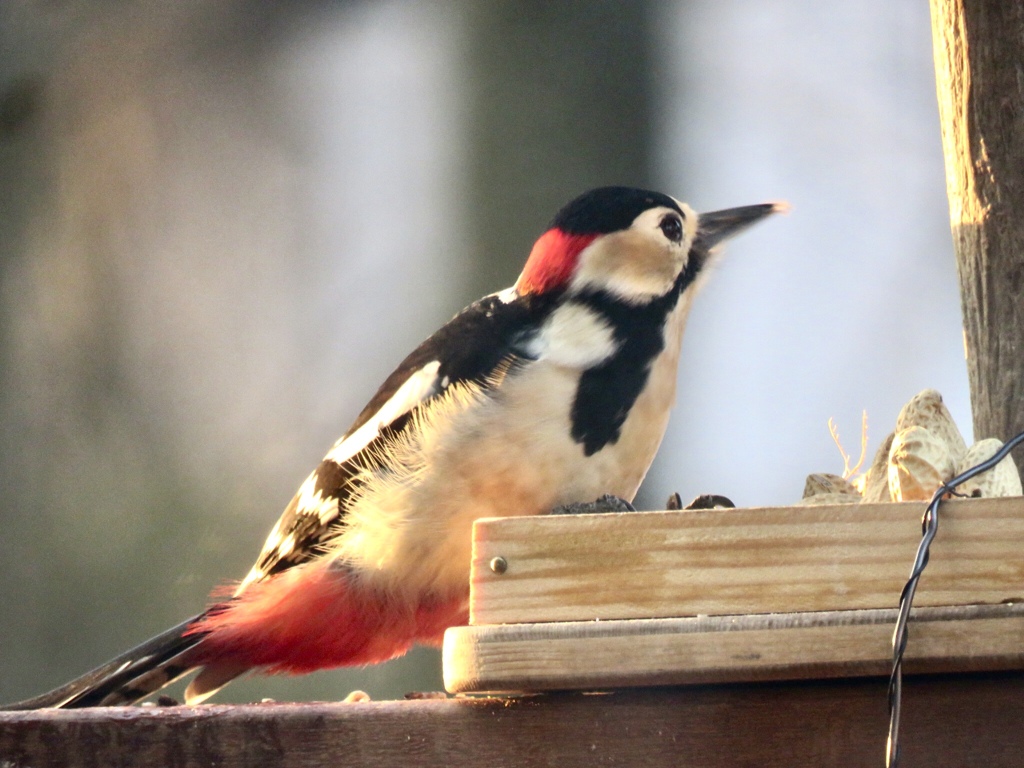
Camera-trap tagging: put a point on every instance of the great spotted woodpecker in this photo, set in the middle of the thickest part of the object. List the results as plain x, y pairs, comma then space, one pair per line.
554, 391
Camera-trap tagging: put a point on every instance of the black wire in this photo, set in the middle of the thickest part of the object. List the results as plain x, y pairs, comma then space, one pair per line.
929, 527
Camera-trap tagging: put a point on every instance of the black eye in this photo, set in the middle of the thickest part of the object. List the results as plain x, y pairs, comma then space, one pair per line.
672, 227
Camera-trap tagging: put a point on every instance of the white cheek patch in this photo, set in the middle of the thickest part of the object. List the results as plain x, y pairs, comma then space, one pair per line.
414, 391
574, 336
633, 266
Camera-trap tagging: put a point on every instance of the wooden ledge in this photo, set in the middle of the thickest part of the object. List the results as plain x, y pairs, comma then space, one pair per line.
742, 561
736, 595
963, 720
726, 649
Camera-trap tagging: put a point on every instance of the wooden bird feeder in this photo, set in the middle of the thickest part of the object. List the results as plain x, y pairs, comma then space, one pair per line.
725, 595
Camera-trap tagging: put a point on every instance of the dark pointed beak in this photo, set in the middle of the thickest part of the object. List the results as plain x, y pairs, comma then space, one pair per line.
718, 226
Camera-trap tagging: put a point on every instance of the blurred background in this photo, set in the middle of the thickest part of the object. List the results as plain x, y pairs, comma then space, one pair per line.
223, 223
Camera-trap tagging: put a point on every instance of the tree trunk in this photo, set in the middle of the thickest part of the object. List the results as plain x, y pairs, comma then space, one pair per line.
979, 69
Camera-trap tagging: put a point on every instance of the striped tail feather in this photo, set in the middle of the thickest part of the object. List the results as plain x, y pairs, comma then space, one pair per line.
128, 678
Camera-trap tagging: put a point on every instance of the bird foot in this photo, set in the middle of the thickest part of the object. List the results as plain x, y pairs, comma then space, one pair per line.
606, 503
704, 501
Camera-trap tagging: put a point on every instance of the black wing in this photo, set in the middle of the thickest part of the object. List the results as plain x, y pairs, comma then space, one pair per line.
469, 348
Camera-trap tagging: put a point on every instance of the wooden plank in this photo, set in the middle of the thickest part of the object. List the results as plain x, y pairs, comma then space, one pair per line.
739, 561
962, 720
717, 649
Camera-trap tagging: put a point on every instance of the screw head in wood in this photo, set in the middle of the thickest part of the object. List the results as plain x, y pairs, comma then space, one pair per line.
498, 565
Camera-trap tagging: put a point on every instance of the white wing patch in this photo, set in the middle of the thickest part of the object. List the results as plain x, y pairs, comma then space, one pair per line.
414, 391
312, 502
507, 296
281, 541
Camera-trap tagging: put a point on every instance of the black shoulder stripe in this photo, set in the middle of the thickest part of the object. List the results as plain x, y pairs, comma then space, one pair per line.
470, 346
607, 392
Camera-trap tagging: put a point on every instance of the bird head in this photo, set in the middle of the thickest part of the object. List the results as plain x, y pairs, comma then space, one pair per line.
632, 244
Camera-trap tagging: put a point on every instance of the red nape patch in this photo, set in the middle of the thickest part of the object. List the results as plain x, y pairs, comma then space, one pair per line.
314, 617
552, 261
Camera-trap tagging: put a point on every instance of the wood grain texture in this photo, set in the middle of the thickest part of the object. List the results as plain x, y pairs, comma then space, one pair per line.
740, 561
720, 649
963, 720
979, 46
